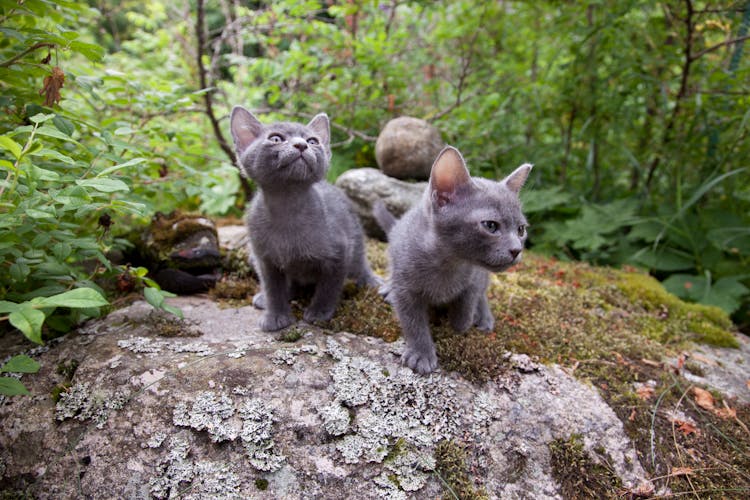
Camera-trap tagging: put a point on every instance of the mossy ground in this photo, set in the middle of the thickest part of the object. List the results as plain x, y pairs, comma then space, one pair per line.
612, 328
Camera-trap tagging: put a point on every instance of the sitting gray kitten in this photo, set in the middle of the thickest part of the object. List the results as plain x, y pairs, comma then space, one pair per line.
303, 230
442, 250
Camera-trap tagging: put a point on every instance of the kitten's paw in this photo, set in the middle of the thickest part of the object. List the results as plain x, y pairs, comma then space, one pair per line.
312, 316
420, 362
486, 324
273, 322
371, 280
259, 300
384, 290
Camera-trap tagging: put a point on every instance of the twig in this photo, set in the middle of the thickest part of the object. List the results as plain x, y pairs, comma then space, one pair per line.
34, 47
718, 46
200, 34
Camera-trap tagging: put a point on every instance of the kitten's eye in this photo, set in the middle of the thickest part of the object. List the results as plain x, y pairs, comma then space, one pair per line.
275, 138
521, 231
490, 225
313, 141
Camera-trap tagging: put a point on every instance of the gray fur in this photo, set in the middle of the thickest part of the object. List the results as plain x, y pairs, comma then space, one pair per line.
441, 253
303, 230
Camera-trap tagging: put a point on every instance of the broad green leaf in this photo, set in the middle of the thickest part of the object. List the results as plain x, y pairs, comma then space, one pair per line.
20, 364
104, 185
29, 321
41, 118
113, 168
153, 297
64, 125
11, 146
12, 387
6, 307
78, 298
55, 155
48, 131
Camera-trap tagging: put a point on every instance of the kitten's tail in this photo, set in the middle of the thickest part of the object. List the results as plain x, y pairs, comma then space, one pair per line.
385, 218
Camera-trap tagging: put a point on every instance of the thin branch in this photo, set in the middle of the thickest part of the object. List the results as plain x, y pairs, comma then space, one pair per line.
718, 46
34, 47
201, 41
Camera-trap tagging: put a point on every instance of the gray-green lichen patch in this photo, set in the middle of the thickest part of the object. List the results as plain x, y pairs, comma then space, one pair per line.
224, 420
179, 476
150, 346
83, 403
288, 356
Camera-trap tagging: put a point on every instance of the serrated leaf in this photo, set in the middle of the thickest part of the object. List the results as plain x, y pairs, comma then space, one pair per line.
20, 364
12, 387
104, 185
78, 298
29, 321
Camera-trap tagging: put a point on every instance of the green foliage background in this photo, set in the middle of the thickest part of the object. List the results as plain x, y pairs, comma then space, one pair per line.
635, 114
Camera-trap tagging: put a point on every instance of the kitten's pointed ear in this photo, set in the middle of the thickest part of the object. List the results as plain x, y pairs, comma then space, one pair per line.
245, 128
322, 127
449, 174
516, 180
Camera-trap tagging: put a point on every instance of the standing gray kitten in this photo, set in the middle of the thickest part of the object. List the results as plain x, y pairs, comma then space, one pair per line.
442, 251
303, 230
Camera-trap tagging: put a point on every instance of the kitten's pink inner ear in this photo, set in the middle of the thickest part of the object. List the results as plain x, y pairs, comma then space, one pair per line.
516, 180
449, 172
321, 126
245, 128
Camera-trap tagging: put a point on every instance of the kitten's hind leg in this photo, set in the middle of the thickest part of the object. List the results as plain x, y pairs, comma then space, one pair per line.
420, 354
483, 318
326, 297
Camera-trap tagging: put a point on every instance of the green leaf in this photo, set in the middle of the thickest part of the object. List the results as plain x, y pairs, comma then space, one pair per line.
104, 185
29, 321
64, 125
129, 163
12, 387
20, 364
153, 297
6, 307
78, 298
10, 145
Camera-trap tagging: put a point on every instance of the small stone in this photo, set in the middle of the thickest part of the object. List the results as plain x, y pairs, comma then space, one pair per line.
407, 147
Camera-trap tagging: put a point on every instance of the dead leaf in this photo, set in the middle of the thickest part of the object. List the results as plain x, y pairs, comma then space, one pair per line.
703, 398
680, 362
681, 471
726, 413
52, 85
687, 428
747, 383
631, 418
651, 363
645, 392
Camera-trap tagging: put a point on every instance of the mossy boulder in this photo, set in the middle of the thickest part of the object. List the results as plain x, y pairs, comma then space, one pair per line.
587, 386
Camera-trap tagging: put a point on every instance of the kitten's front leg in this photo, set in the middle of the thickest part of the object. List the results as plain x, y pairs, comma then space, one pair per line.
419, 354
483, 318
278, 314
327, 294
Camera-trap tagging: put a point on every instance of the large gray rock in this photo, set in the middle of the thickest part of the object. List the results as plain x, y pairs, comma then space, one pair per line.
364, 186
407, 147
223, 410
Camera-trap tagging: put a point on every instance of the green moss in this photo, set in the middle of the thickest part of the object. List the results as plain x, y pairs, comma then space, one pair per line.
261, 484
67, 369
451, 464
238, 291
578, 474
292, 334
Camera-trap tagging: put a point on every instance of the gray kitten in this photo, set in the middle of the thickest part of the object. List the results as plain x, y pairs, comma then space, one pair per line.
442, 251
303, 230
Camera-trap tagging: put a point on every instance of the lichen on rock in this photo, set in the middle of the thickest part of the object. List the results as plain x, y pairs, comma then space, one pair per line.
83, 403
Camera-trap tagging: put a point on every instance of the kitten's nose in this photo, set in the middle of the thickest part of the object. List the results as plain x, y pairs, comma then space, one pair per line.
300, 145
514, 252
